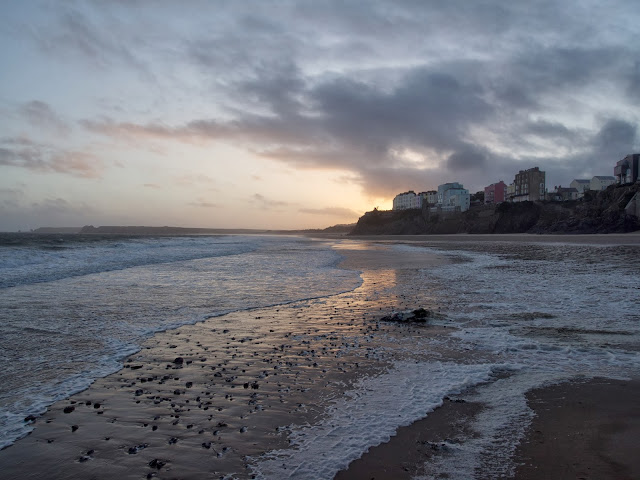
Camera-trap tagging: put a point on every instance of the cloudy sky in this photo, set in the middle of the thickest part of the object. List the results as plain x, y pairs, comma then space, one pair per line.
297, 114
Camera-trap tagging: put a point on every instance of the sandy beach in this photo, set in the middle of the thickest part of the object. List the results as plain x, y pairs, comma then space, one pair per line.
586, 429
203, 400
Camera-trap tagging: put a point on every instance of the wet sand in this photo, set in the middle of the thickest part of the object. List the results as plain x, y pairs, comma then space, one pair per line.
632, 238
407, 454
198, 401
586, 429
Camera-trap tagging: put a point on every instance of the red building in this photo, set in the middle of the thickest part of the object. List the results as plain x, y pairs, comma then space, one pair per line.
495, 193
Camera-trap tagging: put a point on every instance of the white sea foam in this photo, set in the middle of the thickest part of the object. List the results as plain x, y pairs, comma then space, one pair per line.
368, 415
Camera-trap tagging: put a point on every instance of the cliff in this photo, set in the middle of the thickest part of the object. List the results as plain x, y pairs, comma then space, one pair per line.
601, 212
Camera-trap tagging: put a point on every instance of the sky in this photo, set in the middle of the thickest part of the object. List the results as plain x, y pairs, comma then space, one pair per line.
301, 114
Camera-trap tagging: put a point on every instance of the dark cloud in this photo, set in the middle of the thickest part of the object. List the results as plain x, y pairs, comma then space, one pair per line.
616, 137
554, 130
553, 69
339, 124
468, 158
633, 85
24, 153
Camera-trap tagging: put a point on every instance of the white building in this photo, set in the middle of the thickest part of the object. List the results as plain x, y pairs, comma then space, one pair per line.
581, 185
406, 200
599, 183
430, 197
453, 196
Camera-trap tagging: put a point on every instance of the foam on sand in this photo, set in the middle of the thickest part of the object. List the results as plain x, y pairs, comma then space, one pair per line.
368, 415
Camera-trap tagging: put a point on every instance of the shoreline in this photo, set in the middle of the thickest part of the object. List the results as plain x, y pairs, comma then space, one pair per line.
631, 238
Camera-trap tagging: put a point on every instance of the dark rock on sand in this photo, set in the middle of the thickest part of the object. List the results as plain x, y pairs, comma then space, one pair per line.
69, 409
135, 449
30, 418
419, 315
157, 464
179, 361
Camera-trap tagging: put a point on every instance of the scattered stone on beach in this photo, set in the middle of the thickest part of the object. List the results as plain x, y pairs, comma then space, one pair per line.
30, 418
179, 361
74, 428
136, 448
419, 315
69, 409
157, 464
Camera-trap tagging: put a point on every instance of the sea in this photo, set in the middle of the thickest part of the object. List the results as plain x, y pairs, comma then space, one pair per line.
518, 315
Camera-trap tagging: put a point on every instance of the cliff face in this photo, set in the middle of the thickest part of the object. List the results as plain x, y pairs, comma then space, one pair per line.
602, 212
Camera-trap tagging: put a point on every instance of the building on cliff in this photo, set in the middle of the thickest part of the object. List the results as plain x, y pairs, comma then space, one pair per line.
453, 197
530, 185
601, 182
626, 170
407, 200
495, 193
564, 194
581, 185
430, 197
410, 199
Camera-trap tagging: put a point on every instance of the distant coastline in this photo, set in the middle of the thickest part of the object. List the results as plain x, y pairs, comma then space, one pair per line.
168, 230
